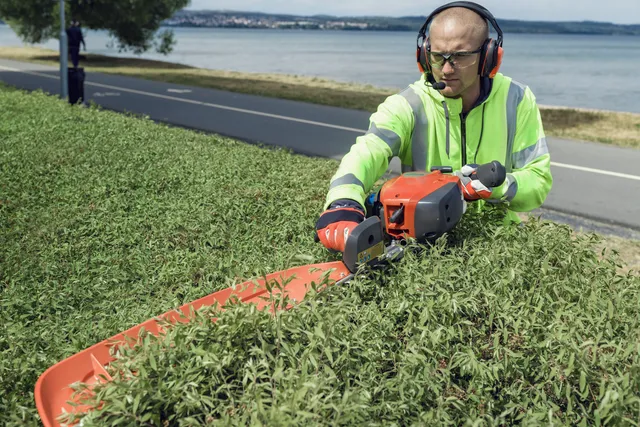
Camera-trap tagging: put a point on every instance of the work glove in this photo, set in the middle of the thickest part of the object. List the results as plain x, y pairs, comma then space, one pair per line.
337, 222
472, 188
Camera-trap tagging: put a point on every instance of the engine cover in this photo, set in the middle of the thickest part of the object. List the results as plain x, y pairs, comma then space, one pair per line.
422, 205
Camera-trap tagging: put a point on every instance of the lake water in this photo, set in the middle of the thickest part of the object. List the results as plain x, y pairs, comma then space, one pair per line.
571, 70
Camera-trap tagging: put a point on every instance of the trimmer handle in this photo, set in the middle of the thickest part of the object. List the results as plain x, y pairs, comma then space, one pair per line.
365, 244
443, 169
491, 174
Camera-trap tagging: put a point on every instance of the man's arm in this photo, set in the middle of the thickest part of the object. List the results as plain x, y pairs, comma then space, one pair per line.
389, 133
530, 180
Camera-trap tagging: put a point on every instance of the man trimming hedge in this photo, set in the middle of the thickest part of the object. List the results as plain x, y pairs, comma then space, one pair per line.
460, 113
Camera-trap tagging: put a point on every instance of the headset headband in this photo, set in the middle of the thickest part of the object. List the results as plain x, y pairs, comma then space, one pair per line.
480, 10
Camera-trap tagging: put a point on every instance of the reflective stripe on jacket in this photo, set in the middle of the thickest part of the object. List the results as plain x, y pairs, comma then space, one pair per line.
424, 129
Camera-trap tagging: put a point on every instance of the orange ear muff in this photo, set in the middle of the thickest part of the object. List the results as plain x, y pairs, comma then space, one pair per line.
418, 60
495, 69
421, 57
490, 63
425, 60
486, 55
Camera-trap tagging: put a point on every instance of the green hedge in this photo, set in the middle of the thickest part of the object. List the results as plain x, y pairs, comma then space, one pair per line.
107, 220
496, 326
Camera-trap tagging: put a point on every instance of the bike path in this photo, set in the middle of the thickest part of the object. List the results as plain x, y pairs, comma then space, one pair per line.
591, 180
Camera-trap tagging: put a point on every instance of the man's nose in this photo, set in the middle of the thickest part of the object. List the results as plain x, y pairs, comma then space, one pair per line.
447, 68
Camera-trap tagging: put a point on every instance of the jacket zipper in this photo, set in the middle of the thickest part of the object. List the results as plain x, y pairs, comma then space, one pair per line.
463, 136
446, 115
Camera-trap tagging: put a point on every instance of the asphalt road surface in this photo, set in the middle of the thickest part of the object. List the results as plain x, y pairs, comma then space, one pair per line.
591, 181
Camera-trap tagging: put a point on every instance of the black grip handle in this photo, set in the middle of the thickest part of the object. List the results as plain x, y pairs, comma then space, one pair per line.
491, 174
398, 216
443, 169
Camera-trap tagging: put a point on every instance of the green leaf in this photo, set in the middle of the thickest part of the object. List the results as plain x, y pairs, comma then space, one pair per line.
136, 403
327, 352
152, 361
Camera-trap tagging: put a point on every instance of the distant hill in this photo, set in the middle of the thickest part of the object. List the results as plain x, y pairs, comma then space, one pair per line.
238, 19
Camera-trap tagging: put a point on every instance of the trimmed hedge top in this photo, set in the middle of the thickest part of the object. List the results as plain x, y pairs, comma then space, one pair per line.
492, 326
107, 220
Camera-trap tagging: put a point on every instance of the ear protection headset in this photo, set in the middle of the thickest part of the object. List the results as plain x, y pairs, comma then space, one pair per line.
490, 55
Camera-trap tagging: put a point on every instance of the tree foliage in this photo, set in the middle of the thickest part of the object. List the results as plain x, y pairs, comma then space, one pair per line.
133, 24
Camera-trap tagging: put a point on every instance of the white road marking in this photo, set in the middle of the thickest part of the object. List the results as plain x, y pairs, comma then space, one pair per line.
600, 171
226, 107
179, 90
206, 104
103, 94
292, 119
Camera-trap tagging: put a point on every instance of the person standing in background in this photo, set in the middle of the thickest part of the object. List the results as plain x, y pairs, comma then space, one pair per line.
74, 38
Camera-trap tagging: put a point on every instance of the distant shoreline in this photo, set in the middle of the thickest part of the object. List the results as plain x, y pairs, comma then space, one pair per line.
258, 20
4, 24
394, 30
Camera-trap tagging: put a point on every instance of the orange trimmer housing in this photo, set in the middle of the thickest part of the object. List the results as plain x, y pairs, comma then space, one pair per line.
421, 205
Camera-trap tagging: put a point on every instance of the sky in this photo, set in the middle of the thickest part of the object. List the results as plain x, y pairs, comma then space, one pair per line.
617, 11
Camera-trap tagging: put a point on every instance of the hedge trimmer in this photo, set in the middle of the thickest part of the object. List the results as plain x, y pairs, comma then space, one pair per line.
415, 205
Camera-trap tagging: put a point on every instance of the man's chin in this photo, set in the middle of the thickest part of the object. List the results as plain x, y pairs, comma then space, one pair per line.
450, 92
452, 89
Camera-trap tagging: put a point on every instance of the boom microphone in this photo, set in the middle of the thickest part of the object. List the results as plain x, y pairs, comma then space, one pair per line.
438, 85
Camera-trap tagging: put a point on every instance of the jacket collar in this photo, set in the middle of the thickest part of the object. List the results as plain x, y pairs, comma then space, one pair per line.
485, 90
454, 105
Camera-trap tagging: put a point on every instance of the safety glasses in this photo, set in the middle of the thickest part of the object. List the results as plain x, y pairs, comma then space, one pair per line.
459, 60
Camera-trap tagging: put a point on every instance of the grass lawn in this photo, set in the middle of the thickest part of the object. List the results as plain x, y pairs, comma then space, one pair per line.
107, 220
616, 128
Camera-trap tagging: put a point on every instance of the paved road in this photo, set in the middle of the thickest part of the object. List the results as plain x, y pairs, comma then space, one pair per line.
590, 180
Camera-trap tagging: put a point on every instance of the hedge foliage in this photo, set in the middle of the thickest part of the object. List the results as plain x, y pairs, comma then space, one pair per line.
108, 220
504, 326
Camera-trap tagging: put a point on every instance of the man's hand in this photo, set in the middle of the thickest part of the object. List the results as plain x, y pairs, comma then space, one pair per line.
472, 188
336, 223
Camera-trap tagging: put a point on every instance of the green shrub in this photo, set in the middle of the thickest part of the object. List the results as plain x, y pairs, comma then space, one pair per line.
496, 326
107, 220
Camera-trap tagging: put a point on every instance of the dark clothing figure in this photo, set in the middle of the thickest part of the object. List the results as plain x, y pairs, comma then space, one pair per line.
75, 55
74, 38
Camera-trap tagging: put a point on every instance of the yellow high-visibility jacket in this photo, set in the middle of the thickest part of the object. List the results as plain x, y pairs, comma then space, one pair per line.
425, 129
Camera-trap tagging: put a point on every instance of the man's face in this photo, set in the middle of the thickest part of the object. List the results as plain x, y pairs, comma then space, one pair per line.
448, 37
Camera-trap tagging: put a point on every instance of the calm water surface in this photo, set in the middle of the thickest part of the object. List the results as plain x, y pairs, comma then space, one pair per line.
573, 70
